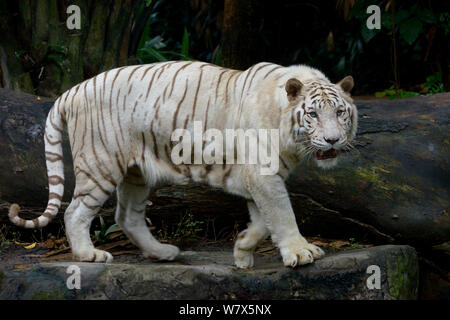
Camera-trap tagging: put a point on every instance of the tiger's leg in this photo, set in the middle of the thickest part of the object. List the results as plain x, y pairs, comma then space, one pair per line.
132, 195
270, 194
248, 239
77, 218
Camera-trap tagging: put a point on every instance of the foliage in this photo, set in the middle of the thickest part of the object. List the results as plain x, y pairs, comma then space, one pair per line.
153, 50
410, 22
409, 46
187, 227
5, 244
102, 235
58, 56
444, 20
393, 93
317, 33
434, 83
180, 30
405, 28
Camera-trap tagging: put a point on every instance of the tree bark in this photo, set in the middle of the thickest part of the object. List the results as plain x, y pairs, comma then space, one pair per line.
240, 34
39, 54
393, 188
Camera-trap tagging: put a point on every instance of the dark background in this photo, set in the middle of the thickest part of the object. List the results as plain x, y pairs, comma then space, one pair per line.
40, 55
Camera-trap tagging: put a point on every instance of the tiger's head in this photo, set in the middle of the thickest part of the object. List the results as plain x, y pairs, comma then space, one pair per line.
324, 118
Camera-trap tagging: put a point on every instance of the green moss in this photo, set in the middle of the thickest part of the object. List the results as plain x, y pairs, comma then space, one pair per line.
42, 295
377, 176
376, 168
402, 276
1, 279
23, 83
327, 179
367, 175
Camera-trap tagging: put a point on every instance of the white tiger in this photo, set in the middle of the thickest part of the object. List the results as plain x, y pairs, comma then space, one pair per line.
120, 124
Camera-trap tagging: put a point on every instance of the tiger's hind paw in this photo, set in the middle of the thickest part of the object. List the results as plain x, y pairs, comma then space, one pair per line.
243, 259
166, 252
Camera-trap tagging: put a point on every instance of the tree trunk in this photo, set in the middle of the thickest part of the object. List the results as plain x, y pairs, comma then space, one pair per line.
240, 34
39, 54
393, 187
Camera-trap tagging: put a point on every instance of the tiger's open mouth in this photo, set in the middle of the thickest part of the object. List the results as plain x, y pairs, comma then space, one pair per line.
329, 154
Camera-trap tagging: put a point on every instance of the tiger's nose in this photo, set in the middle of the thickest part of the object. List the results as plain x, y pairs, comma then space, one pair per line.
331, 140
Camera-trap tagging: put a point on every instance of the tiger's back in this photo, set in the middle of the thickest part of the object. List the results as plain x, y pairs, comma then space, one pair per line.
125, 117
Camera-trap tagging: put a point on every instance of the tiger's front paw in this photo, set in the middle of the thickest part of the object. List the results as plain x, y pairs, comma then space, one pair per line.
93, 255
300, 254
316, 251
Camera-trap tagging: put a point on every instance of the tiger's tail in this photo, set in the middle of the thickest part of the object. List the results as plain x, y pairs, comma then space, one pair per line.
55, 171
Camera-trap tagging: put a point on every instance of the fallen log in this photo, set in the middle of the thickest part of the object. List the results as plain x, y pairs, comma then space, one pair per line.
392, 188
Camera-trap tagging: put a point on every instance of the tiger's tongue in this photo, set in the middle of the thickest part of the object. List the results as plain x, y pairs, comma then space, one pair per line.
322, 155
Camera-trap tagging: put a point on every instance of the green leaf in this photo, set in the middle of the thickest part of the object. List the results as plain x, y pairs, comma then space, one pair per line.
218, 59
145, 35
401, 16
358, 11
185, 44
102, 222
340, 67
427, 16
151, 55
410, 30
386, 20
434, 83
157, 43
444, 20
112, 228
368, 34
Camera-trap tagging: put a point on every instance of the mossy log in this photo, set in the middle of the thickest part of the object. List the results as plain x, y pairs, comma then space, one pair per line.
398, 179
394, 187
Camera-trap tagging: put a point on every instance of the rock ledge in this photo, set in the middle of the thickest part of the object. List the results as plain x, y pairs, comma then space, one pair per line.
210, 275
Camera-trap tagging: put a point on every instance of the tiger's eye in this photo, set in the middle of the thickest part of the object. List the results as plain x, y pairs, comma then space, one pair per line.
339, 113
313, 114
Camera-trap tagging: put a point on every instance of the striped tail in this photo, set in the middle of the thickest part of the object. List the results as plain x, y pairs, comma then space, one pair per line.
55, 171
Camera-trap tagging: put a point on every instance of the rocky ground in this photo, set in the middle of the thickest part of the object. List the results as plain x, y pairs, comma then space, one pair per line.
208, 273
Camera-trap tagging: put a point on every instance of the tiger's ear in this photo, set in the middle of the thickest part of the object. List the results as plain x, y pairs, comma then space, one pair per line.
346, 84
293, 88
